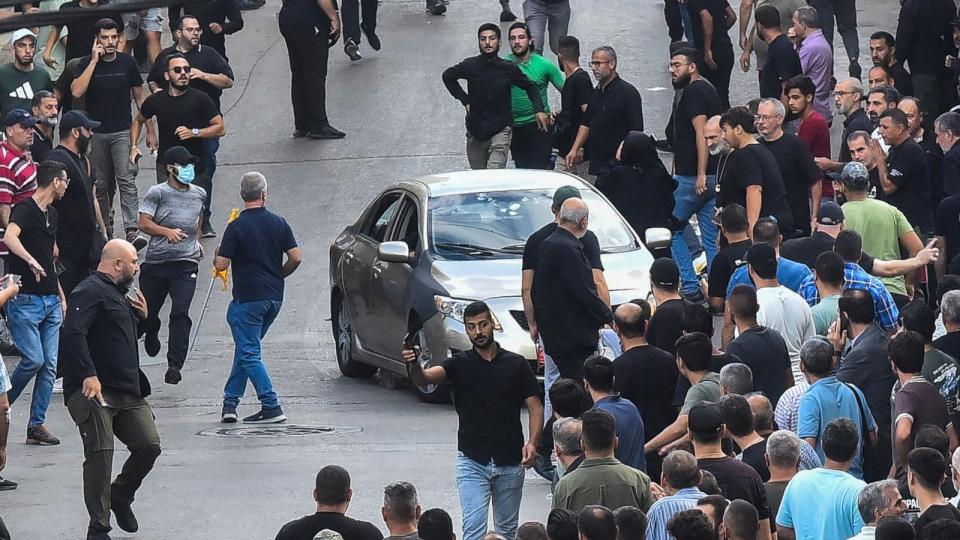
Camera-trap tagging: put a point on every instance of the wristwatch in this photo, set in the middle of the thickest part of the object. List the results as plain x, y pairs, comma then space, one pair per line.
196, 132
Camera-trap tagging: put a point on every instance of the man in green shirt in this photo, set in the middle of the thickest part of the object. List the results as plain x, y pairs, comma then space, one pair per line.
531, 146
601, 479
829, 276
883, 228
21, 79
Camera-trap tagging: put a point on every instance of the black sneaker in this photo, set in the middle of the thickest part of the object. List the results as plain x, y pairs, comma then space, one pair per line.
372, 38
206, 231
506, 15
855, 70
138, 240
544, 467
97, 535
7, 485
124, 514
299, 134
353, 51
39, 436
151, 343
228, 415
9, 348
173, 376
266, 416
694, 298
327, 132
436, 7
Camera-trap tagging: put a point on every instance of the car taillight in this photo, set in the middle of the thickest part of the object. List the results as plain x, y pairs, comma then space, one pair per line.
539, 354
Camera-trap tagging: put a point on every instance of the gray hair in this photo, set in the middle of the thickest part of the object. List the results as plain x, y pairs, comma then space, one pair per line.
608, 50
736, 378
777, 105
41, 95
873, 498
400, 500
783, 448
808, 16
566, 436
681, 470
252, 186
573, 215
949, 121
816, 354
950, 307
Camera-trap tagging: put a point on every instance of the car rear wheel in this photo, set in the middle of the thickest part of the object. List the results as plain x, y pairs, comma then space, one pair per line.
431, 393
343, 331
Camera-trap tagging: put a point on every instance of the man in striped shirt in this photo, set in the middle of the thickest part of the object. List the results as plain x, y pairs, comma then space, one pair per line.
17, 170
680, 478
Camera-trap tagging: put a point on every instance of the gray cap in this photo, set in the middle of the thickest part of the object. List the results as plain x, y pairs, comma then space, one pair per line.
855, 176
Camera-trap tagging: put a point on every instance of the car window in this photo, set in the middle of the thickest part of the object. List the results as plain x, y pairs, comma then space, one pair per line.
378, 221
408, 226
498, 223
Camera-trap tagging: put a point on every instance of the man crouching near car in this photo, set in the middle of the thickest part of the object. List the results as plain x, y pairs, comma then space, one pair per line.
489, 387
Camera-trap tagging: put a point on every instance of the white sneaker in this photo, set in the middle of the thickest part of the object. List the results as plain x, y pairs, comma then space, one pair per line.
58, 386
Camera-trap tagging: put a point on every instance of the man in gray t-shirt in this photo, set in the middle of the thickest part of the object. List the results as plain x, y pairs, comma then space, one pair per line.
170, 213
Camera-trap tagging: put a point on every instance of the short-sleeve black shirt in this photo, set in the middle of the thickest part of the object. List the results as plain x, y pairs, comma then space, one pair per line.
307, 527
488, 397
782, 63
577, 90
699, 98
948, 225
798, 171
724, 264
531, 250
666, 325
38, 232
647, 377
754, 165
717, 10
614, 111
765, 351
907, 168
108, 94
806, 250
206, 59
192, 109
737, 480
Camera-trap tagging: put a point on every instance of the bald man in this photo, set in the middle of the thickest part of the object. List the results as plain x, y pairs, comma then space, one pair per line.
104, 388
716, 144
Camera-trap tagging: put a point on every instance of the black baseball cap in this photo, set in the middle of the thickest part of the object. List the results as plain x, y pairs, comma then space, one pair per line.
563, 193
762, 256
76, 119
665, 273
830, 213
178, 155
19, 116
705, 417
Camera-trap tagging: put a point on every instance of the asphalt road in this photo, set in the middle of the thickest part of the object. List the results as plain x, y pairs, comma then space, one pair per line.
400, 122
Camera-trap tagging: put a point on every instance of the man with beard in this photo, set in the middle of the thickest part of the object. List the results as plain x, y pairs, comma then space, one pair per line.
904, 175
81, 233
880, 99
530, 145
694, 170
37, 311
186, 117
105, 390
490, 385
46, 109
883, 52
21, 79
488, 100
848, 97
107, 81
218, 19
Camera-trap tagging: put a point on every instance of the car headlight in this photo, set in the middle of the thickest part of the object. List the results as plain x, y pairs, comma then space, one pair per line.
453, 308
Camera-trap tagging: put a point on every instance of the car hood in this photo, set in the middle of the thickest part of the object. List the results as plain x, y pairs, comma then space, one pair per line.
494, 278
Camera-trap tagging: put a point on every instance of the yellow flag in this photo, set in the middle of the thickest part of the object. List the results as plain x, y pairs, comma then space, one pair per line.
224, 275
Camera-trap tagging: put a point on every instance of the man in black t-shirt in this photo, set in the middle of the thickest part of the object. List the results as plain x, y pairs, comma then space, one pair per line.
711, 19
733, 226
783, 62
762, 349
106, 82
694, 170
947, 229
752, 177
739, 419
490, 385
36, 313
925, 473
904, 175
574, 98
185, 117
666, 325
333, 495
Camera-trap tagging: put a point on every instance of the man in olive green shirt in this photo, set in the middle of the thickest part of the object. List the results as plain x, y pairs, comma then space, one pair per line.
530, 146
601, 479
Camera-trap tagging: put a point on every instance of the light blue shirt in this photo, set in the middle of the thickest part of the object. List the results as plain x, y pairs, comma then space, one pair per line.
821, 504
790, 274
4, 379
825, 401
663, 510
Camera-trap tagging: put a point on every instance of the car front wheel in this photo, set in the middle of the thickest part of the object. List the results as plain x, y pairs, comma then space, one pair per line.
343, 331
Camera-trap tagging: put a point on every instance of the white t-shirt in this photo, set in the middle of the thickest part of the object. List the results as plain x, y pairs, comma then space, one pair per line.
788, 313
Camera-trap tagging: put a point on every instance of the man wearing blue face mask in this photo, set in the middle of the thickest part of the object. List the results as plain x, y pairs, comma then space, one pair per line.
171, 213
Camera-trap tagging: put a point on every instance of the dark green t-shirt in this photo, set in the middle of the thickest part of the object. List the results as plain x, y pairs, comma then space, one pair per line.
18, 87
541, 72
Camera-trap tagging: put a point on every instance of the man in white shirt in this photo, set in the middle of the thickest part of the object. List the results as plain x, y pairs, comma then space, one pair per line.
780, 308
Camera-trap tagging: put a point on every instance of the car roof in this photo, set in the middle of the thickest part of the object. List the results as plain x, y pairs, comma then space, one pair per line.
461, 182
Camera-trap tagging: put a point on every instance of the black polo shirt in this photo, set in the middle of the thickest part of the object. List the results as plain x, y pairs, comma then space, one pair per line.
488, 397
855, 121
614, 111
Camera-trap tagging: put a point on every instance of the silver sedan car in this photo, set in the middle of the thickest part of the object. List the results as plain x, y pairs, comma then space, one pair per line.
427, 247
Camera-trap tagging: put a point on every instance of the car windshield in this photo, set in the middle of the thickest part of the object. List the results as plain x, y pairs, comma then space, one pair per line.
497, 224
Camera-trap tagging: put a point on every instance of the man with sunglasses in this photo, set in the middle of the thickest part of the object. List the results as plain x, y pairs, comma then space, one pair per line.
36, 313
186, 117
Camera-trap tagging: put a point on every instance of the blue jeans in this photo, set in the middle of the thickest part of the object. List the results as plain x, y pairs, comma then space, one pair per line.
210, 148
34, 323
249, 322
687, 22
478, 485
689, 203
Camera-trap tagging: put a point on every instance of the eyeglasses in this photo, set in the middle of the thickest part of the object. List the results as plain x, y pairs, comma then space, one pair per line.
65, 180
597, 63
196, 30
180, 69
765, 117
841, 93
677, 65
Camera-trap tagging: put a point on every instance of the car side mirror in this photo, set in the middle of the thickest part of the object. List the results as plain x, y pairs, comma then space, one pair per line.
397, 252
657, 238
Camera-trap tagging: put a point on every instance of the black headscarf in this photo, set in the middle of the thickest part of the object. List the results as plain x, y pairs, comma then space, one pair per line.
639, 151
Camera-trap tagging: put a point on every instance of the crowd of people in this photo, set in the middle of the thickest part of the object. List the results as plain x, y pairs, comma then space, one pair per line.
824, 407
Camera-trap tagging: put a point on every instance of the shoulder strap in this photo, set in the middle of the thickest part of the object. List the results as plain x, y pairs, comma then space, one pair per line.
863, 415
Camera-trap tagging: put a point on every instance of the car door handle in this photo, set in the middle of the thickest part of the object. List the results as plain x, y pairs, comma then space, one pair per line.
377, 270
349, 256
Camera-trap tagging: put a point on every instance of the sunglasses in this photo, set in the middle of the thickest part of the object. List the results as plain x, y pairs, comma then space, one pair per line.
180, 69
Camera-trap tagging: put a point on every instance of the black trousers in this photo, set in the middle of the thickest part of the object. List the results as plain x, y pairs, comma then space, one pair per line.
570, 363
671, 12
720, 77
308, 53
351, 12
74, 272
178, 280
531, 147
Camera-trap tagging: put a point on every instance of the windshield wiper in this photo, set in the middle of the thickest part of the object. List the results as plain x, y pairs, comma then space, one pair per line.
513, 248
472, 249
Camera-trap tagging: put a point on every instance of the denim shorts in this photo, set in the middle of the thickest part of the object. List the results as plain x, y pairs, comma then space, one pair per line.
152, 21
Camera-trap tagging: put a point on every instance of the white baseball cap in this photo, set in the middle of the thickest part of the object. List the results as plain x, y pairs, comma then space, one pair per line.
22, 33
